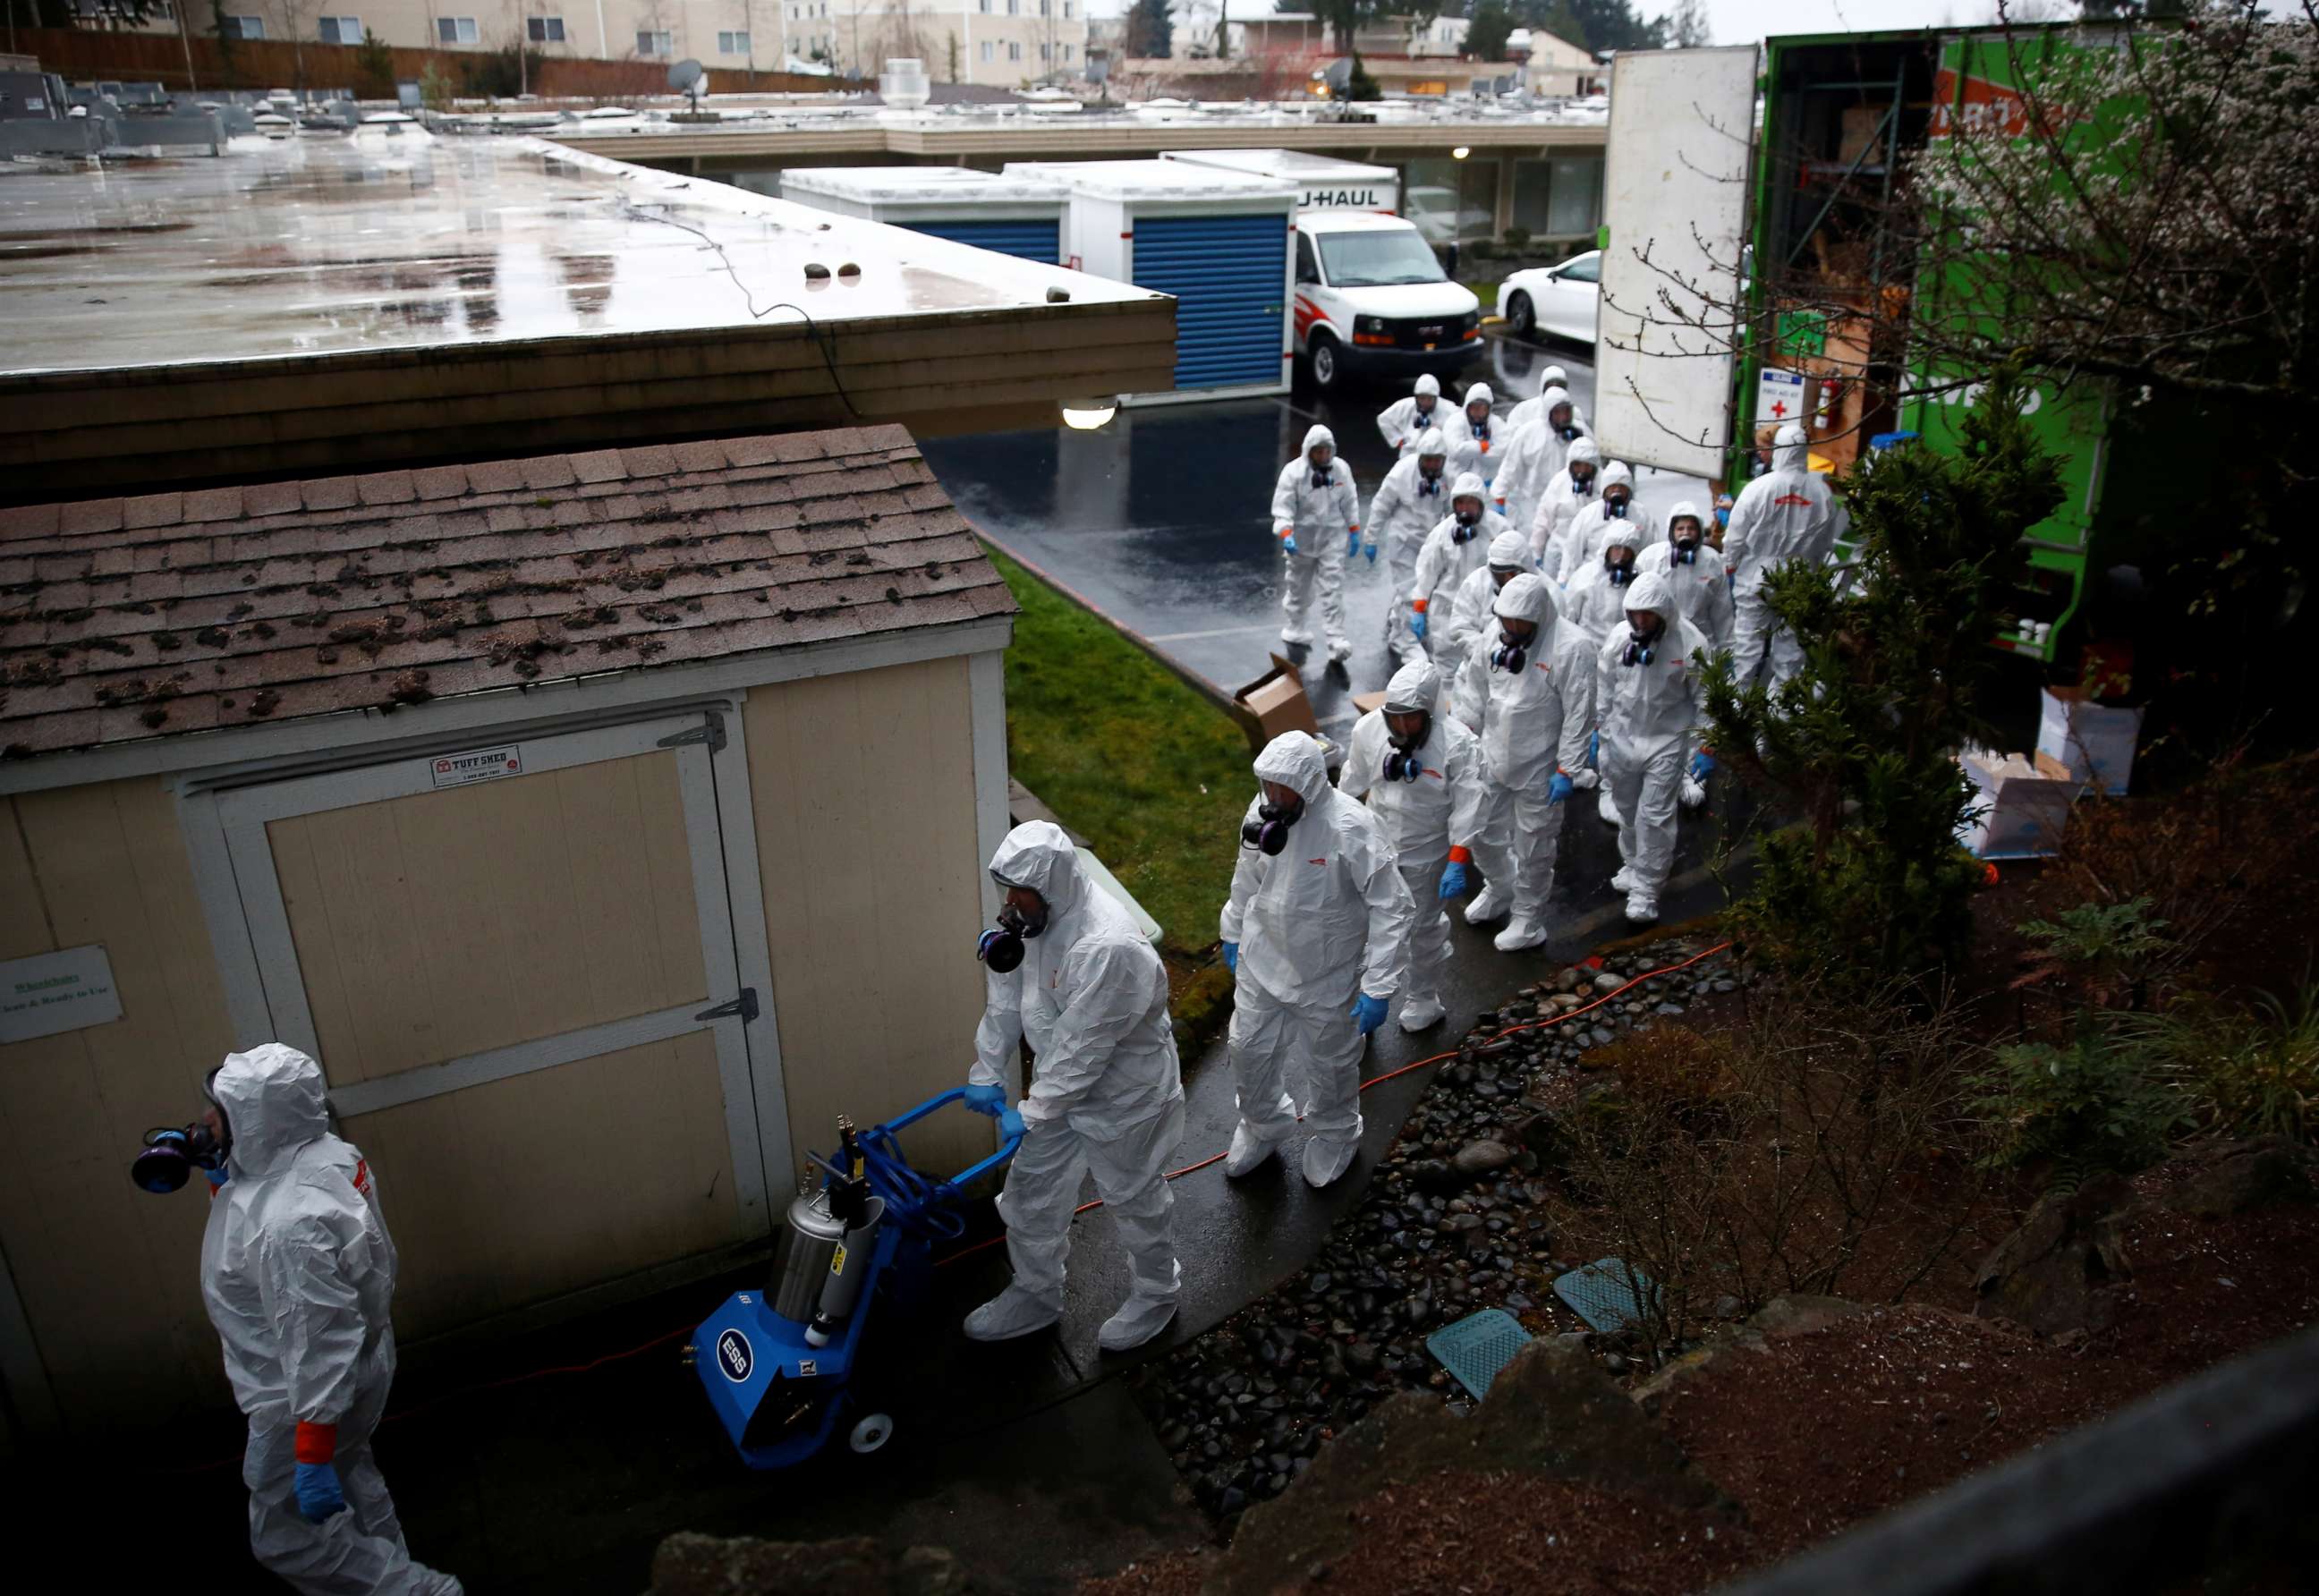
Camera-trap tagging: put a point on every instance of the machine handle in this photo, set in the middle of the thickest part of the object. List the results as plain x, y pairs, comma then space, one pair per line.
943, 1100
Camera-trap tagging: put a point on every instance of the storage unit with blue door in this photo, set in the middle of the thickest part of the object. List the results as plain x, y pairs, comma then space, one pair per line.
1017, 216
1218, 241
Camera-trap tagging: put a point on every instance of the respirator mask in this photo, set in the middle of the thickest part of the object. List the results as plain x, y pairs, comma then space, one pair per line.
1513, 652
1615, 506
1402, 761
1467, 521
172, 1154
1685, 548
1620, 575
1268, 833
1639, 651
1001, 947
1581, 485
1429, 483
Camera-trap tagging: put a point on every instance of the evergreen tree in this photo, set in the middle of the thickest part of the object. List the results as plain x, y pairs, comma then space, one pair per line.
1485, 34
1150, 32
1860, 747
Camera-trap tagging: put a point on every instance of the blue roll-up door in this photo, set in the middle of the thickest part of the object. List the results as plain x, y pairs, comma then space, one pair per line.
1029, 241
1229, 274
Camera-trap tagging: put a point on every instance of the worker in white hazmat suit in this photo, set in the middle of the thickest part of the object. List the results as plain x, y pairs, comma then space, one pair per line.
298, 1276
1702, 594
1530, 744
1649, 704
1106, 1097
1788, 513
1534, 409
1571, 490
1534, 454
1405, 420
1409, 504
1316, 930
1476, 438
1467, 609
1422, 774
1614, 502
1593, 607
1457, 613
1453, 550
1316, 515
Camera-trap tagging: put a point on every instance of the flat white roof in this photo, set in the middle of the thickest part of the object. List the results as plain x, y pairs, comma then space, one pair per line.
1296, 166
325, 244
870, 185
1153, 180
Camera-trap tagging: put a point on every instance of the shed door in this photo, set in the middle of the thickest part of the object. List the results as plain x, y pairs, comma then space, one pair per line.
1229, 278
516, 965
1028, 238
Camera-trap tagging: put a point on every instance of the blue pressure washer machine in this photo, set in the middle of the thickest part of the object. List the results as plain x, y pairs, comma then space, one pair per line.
779, 1365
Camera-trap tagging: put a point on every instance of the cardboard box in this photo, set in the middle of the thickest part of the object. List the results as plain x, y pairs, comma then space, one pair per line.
2094, 743
1365, 702
1274, 703
2021, 806
1856, 131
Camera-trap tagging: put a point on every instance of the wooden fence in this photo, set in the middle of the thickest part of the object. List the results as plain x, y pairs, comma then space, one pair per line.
87, 55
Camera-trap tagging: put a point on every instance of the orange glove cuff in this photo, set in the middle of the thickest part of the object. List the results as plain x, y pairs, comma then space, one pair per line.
317, 1443
1461, 856
1419, 605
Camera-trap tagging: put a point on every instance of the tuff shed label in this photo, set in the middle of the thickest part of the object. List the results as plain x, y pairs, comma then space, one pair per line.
477, 764
48, 994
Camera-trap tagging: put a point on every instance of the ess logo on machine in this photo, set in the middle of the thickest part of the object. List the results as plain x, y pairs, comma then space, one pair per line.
734, 1356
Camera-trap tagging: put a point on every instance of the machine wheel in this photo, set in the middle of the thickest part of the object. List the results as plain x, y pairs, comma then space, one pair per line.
1521, 315
871, 1432
1328, 364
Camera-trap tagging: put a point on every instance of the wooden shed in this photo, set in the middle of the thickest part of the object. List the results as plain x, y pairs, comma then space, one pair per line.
605, 823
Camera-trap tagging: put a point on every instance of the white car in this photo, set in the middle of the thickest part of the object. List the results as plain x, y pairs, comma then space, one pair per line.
1561, 299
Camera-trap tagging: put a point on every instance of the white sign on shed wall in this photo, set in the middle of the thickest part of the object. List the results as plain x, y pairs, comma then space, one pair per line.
52, 993
1676, 192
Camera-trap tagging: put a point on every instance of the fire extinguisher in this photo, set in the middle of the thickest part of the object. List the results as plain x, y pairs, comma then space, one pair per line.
1831, 395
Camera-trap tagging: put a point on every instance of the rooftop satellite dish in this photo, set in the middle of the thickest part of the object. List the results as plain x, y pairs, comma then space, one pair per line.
685, 78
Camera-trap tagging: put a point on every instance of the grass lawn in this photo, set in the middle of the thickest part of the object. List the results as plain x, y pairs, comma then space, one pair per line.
1487, 293
1153, 773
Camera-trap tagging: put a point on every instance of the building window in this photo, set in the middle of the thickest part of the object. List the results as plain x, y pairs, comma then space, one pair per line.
544, 29
656, 41
1043, 6
241, 27
1046, 52
733, 44
985, 7
456, 30
987, 50
1014, 53
1066, 52
1067, 10
341, 29
1013, 7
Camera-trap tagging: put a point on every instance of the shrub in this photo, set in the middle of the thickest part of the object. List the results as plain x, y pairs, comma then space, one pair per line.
2108, 952
1517, 238
2239, 1073
1482, 249
2076, 1110
374, 68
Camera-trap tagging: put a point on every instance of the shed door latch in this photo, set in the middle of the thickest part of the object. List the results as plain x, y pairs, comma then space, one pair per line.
712, 731
744, 1008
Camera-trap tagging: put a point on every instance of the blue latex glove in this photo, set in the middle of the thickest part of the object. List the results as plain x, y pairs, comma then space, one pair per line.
1417, 623
1453, 879
1369, 549
1702, 765
1369, 1012
1288, 544
1595, 748
1010, 1124
1559, 788
319, 1495
1352, 543
1232, 957
216, 1177
987, 1100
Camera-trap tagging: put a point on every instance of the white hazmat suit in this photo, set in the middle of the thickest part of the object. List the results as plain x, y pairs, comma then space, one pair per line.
1408, 505
1404, 420
1429, 804
1106, 1093
1474, 446
1535, 407
1534, 454
1702, 592
1527, 738
1453, 551
1315, 510
298, 1276
1563, 498
1788, 513
1582, 544
1469, 606
1648, 703
1322, 923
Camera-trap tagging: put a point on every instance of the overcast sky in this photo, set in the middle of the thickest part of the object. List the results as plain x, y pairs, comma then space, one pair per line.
1741, 22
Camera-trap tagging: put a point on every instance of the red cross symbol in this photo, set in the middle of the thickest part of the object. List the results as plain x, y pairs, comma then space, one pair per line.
1779, 407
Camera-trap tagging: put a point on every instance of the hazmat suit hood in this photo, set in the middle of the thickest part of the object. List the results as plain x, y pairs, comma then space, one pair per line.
1428, 442
1621, 535
1685, 507
1548, 397
1429, 386
1525, 597
1791, 449
1651, 590
1509, 548
1469, 485
1314, 437
1414, 689
1553, 376
1038, 854
1612, 475
1479, 391
273, 1101
1295, 760
1586, 449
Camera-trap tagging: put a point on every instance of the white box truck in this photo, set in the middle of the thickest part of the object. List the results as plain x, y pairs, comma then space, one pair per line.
1371, 298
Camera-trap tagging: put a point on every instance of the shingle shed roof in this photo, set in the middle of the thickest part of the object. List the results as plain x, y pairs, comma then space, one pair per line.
130, 618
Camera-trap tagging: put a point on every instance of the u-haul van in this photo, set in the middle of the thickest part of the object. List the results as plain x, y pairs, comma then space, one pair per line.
1371, 297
